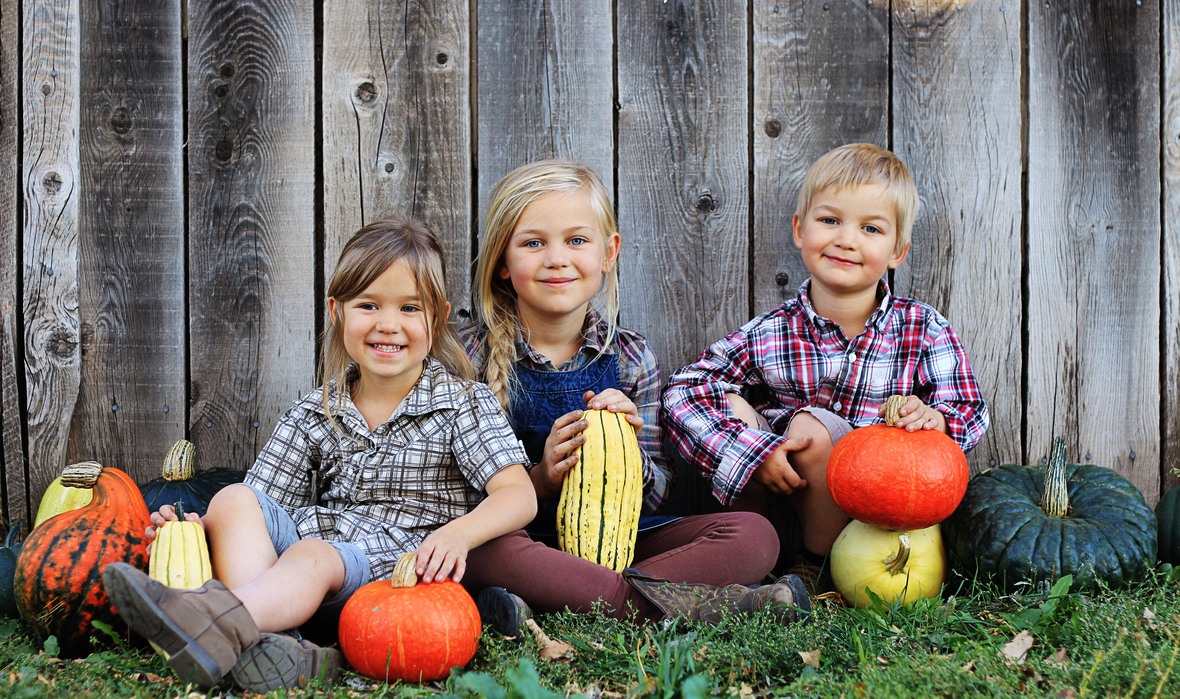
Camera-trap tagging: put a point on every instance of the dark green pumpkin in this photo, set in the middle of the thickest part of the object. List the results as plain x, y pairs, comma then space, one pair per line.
181, 482
8, 554
1038, 523
1167, 513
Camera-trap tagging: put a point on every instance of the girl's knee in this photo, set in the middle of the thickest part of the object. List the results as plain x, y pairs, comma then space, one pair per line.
231, 500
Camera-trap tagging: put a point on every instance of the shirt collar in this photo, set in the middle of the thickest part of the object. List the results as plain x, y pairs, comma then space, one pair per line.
594, 334
435, 389
879, 319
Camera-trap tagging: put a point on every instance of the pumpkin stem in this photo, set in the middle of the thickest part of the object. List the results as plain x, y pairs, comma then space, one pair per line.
896, 563
179, 507
893, 409
404, 571
178, 462
1055, 501
81, 475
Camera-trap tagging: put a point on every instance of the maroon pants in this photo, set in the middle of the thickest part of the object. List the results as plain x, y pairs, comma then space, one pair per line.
714, 549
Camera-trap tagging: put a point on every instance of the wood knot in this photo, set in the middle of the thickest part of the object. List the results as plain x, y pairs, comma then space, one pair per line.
52, 182
366, 92
773, 128
706, 203
121, 120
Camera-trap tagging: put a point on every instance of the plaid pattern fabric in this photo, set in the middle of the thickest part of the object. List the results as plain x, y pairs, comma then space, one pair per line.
639, 376
386, 489
791, 358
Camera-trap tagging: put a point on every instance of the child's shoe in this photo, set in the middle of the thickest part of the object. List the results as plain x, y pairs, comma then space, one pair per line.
285, 661
502, 610
786, 599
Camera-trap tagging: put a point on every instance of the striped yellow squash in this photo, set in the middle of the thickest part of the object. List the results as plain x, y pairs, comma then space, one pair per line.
180, 557
598, 513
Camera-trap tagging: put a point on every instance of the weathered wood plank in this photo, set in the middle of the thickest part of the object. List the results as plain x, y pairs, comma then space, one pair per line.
50, 102
131, 403
1171, 254
252, 270
397, 126
957, 125
1093, 235
683, 178
545, 88
821, 79
13, 495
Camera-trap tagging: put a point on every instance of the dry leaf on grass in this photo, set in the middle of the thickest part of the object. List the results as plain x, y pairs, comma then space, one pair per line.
551, 650
811, 657
1059, 659
1018, 647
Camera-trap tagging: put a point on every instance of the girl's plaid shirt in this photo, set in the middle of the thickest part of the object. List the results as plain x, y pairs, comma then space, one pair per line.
386, 489
791, 358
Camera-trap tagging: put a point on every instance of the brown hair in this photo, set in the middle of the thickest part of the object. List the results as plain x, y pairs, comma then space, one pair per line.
366, 256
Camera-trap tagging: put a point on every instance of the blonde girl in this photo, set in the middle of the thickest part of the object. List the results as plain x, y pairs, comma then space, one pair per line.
395, 452
544, 338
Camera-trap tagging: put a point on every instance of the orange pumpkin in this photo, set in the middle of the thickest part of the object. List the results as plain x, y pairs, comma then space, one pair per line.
58, 580
895, 479
401, 629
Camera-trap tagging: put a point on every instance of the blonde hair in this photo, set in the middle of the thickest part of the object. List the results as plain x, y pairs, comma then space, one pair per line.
493, 298
859, 164
366, 256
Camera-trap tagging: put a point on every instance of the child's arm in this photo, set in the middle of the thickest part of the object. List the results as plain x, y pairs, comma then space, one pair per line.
945, 383
511, 503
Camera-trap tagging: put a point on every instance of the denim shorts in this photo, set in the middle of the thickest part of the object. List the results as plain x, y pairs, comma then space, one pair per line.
837, 426
283, 534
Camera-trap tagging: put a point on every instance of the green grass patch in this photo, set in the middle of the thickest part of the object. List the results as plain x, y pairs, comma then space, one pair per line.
976, 642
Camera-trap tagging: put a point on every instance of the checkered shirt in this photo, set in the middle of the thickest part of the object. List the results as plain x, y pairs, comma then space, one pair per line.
792, 358
639, 378
386, 489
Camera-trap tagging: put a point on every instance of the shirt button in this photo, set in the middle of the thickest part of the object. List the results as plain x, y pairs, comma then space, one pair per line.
852, 356
837, 405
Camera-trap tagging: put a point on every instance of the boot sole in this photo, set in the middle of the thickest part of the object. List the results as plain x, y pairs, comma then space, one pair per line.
186, 657
279, 661
799, 591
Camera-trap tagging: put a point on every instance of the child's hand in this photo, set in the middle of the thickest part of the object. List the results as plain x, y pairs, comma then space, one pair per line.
166, 513
560, 453
616, 401
441, 556
916, 415
777, 473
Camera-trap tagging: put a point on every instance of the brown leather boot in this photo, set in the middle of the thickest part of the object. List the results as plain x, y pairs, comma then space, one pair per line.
787, 598
285, 661
203, 631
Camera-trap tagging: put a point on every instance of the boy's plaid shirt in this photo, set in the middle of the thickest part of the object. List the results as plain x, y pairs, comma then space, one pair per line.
792, 358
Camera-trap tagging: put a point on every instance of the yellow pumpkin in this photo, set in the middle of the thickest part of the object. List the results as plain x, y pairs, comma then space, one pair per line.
180, 554
598, 512
898, 566
60, 498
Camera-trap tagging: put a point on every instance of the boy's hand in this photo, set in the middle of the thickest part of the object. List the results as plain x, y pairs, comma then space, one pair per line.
441, 556
777, 473
559, 457
616, 401
916, 415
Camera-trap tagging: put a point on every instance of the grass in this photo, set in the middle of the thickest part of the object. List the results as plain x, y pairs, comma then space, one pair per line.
974, 642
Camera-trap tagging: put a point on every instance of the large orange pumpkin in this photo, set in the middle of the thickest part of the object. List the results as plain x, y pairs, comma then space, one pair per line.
58, 580
401, 629
895, 479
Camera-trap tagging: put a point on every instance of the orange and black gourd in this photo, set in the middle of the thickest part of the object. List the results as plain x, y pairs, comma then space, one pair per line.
58, 581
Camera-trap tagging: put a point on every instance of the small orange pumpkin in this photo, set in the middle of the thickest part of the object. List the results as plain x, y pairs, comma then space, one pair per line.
895, 479
401, 629
58, 580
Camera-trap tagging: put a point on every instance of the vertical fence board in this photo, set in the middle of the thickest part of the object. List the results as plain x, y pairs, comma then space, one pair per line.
545, 88
957, 125
683, 181
397, 127
251, 223
13, 495
50, 97
131, 244
1171, 254
806, 103
1094, 257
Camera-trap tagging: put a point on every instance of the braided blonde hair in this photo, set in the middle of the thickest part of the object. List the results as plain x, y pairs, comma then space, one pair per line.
366, 256
493, 298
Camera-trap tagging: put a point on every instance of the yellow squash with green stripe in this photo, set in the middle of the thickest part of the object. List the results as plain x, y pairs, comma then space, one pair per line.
598, 513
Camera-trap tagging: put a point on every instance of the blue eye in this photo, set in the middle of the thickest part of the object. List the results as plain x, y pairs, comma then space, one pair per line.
409, 308
873, 229
367, 306
828, 220
532, 244
579, 240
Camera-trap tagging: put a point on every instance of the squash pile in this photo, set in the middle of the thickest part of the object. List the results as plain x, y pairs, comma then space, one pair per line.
179, 481
1038, 523
897, 486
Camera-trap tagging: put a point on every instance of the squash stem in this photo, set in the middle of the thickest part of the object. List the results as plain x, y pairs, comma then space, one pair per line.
404, 571
893, 406
81, 475
896, 563
1055, 501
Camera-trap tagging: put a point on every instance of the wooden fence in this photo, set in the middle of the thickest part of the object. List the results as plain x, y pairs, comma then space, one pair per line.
180, 176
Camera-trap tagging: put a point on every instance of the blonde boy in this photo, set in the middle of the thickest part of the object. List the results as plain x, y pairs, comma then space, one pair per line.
759, 412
